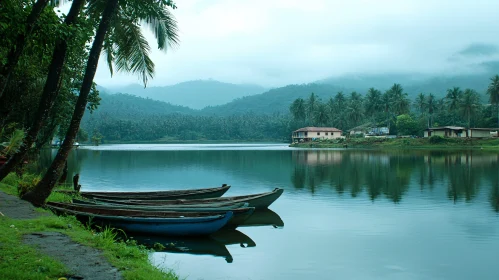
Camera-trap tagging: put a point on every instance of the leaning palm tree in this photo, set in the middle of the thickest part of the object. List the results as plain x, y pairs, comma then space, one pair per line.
469, 104
493, 92
129, 50
49, 94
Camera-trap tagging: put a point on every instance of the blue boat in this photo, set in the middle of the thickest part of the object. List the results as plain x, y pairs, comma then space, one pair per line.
172, 224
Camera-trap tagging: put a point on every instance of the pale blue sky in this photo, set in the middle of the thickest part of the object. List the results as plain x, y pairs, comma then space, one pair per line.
279, 42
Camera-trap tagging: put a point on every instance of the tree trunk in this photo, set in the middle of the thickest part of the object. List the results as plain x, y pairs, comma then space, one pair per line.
50, 91
16, 50
45, 186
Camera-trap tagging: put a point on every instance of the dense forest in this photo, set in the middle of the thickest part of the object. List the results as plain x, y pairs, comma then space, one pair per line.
48, 61
394, 109
127, 118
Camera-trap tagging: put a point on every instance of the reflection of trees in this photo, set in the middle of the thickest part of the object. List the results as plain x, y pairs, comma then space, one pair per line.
75, 160
391, 173
463, 181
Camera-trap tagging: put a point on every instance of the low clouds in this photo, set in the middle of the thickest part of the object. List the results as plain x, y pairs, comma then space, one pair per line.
277, 42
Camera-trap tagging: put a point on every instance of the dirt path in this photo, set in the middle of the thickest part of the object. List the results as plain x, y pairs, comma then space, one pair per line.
15, 208
83, 262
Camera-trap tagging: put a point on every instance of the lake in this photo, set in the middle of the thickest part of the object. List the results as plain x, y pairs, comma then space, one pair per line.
344, 214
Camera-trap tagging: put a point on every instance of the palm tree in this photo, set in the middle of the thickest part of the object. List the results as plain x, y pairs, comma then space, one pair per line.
298, 109
311, 106
453, 98
49, 94
493, 92
430, 106
400, 102
420, 103
469, 104
373, 103
321, 116
132, 56
387, 106
17, 49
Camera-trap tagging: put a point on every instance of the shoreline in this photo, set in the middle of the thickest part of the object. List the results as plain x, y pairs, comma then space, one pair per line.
438, 143
41, 245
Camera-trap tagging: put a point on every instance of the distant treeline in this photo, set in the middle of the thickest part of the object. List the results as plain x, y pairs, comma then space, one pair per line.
247, 127
126, 118
395, 110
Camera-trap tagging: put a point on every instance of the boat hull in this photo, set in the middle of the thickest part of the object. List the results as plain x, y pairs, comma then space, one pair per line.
171, 226
160, 195
259, 201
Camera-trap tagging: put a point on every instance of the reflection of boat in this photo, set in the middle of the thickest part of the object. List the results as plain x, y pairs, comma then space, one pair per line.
168, 223
240, 214
259, 201
265, 217
194, 246
232, 236
160, 195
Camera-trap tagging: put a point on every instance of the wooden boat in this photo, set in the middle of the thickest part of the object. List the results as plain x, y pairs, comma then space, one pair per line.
173, 224
188, 208
161, 195
259, 201
240, 214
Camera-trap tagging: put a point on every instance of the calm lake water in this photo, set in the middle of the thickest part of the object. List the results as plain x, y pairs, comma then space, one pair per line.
345, 214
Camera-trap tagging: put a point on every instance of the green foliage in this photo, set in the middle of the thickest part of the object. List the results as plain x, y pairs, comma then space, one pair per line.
13, 143
406, 125
437, 139
27, 182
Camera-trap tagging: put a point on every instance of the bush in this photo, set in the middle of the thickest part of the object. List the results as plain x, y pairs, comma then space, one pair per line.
436, 139
11, 179
27, 183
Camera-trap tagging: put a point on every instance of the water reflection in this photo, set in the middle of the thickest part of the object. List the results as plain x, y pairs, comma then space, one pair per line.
216, 243
390, 174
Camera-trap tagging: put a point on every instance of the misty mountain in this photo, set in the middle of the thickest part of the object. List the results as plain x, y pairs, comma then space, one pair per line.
194, 94
478, 79
273, 101
279, 99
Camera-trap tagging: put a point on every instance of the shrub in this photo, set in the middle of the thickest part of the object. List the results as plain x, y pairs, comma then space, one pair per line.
27, 183
436, 139
11, 179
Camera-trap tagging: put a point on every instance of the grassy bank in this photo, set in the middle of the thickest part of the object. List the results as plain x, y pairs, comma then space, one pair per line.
18, 261
434, 142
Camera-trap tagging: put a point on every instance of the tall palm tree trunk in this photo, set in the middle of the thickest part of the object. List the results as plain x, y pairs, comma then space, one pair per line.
50, 92
16, 50
44, 188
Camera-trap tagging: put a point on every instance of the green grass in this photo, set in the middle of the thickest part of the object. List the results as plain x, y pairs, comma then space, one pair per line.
405, 143
18, 261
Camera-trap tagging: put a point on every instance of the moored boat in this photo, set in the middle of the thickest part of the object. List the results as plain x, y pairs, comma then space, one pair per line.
160, 195
173, 224
259, 201
239, 214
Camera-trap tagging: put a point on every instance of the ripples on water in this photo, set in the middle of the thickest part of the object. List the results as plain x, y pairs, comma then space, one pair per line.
347, 214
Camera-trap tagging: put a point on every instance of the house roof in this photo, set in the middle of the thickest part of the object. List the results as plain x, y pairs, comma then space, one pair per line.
318, 129
446, 127
484, 129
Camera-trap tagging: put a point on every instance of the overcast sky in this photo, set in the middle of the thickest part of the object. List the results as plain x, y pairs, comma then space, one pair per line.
280, 42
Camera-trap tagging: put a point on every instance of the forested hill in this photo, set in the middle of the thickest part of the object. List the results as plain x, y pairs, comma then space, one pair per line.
130, 107
279, 99
194, 94
273, 101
